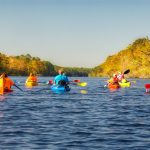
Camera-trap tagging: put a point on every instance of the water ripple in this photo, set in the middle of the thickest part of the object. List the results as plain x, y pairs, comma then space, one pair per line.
95, 119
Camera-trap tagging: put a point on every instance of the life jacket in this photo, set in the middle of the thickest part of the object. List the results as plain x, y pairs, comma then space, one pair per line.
115, 79
8, 83
32, 79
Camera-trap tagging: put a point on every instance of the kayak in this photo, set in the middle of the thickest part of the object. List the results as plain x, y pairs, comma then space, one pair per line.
8, 91
125, 84
2, 90
113, 86
147, 87
60, 89
31, 83
1, 86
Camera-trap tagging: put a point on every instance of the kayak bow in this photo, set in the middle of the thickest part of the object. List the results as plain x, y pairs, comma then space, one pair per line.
60, 89
31, 83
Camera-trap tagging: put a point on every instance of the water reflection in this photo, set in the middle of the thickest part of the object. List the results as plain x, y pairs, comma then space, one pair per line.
83, 91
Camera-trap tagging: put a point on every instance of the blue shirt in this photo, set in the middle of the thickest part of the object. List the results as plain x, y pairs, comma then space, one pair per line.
60, 77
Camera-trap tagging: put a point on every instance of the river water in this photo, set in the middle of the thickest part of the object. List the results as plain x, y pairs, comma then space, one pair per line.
86, 118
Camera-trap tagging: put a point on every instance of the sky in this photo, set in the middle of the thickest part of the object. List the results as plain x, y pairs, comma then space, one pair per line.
72, 33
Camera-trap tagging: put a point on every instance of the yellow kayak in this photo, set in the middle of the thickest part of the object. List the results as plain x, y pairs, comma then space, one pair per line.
125, 84
31, 83
1, 85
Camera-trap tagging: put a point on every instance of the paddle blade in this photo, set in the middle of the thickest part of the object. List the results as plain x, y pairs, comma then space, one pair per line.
82, 84
127, 71
76, 80
147, 86
50, 82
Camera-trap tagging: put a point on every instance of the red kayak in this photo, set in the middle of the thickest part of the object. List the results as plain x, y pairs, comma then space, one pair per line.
113, 86
147, 86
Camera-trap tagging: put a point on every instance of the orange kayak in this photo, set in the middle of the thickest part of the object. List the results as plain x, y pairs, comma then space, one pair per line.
113, 86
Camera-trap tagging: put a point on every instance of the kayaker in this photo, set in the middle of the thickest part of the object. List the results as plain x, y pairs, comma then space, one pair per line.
7, 82
114, 79
61, 78
31, 78
121, 77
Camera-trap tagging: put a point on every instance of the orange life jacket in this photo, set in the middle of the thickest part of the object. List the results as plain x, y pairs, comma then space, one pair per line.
115, 79
32, 79
8, 83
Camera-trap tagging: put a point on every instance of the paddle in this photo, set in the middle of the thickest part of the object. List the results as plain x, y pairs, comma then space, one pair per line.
147, 86
77, 80
82, 84
74, 82
127, 71
18, 87
79, 84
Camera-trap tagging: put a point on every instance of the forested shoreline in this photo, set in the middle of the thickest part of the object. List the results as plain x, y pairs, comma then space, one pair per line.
135, 57
24, 64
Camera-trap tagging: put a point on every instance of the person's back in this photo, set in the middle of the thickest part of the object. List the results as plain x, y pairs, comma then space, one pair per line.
61, 78
7, 82
114, 79
31, 78
57, 78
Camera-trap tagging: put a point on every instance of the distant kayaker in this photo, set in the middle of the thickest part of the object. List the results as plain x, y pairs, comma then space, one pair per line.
121, 77
61, 78
31, 78
114, 79
7, 82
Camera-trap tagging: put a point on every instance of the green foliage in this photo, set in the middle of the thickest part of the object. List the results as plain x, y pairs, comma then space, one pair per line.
75, 71
24, 64
135, 57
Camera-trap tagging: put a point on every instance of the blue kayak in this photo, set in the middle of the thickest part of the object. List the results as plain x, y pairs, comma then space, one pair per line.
60, 89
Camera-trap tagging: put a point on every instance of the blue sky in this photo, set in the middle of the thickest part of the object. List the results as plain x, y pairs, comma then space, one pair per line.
78, 33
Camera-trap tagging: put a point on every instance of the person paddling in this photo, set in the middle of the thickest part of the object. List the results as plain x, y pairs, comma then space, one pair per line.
114, 79
121, 77
31, 78
7, 83
61, 78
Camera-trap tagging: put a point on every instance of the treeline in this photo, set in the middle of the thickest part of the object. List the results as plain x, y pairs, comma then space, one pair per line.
135, 57
23, 65
76, 71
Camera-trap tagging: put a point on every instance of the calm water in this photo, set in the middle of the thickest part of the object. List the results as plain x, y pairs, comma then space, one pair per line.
91, 117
